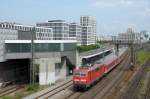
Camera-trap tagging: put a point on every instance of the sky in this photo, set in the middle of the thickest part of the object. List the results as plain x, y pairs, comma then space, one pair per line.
113, 16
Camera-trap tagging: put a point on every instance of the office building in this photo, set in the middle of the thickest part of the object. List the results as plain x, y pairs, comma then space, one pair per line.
75, 31
6, 34
25, 32
129, 36
88, 24
60, 28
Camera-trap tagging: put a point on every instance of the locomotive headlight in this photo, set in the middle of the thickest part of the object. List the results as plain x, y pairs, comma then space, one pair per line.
76, 79
84, 80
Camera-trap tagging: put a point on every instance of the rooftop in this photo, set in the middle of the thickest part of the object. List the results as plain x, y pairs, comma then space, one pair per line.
56, 21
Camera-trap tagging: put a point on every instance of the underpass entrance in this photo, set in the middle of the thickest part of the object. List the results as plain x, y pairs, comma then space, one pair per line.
15, 71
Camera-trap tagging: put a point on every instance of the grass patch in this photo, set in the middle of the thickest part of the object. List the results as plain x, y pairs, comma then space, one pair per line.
18, 96
33, 87
142, 57
7, 97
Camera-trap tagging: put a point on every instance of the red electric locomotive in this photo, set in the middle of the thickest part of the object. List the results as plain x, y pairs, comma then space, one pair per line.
88, 74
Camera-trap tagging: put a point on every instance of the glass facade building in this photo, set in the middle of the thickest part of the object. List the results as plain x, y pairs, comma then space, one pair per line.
39, 47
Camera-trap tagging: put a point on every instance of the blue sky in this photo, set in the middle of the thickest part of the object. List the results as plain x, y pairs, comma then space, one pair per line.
113, 16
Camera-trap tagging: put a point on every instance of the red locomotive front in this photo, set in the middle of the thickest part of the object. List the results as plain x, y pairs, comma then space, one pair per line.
80, 78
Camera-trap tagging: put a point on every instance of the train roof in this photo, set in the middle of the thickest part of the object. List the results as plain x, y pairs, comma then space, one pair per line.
107, 59
98, 53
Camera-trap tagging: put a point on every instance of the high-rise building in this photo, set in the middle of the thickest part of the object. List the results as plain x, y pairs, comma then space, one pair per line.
75, 31
60, 28
88, 24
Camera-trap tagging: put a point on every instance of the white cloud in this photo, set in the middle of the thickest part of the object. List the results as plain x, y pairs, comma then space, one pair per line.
119, 3
147, 9
138, 7
110, 3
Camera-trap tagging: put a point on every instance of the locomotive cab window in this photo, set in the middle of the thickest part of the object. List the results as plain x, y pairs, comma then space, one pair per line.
80, 73
77, 73
83, 74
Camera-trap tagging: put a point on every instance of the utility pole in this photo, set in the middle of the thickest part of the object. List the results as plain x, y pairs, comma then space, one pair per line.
32, 72
132, 51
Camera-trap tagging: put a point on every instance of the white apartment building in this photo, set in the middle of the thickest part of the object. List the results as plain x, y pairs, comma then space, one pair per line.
60, 28
75, 31
88, 24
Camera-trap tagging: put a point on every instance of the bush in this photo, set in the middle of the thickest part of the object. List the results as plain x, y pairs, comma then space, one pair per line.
84, 48
33, 87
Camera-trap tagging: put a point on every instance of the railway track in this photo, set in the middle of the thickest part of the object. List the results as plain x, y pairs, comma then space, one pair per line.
132, 90
56, 90
111, 83
103, 88
117, 85
97, 88
148, 90
10, 89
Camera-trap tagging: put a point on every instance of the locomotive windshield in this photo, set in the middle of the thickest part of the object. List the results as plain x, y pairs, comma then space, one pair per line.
80, 73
